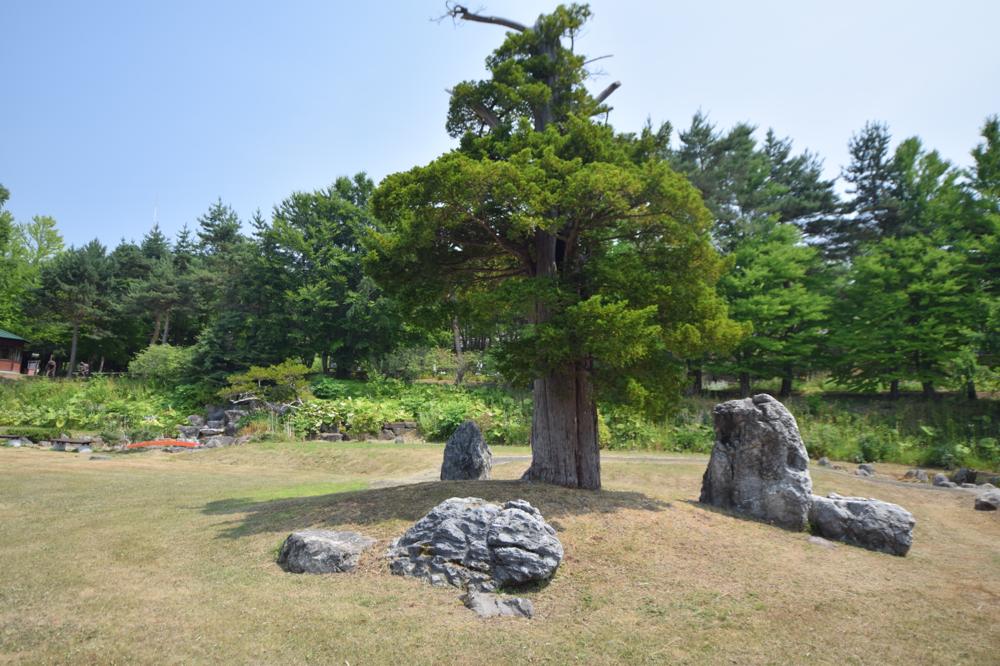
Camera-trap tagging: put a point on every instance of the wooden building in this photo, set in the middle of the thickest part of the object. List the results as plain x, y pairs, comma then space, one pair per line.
11, 351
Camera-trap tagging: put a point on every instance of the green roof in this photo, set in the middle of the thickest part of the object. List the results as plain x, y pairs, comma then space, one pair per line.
7, 335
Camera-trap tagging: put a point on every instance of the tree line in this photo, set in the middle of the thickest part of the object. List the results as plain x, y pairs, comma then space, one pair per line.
897, 280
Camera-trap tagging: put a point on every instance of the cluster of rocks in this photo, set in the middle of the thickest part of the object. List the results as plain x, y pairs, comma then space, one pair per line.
759, 468
217, 428
465, 542
393, 431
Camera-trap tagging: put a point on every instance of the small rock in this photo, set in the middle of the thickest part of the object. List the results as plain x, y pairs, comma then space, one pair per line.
240, 441
860, 471
330, 437
864, 522
466, 455
234, 415
820, 541
58, 446
823, 462
210, 432
16, 443
916, 475
759, 466
986, 486
969, 485
387, 435
216, 424
322, 551
867, 467
494, 605
964, 475
399, 440
196, 421
988, 501
84, 449
189, 433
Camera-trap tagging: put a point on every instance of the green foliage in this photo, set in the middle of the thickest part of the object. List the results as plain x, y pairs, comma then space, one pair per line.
351, 415
284, 382
95, 405
163, 366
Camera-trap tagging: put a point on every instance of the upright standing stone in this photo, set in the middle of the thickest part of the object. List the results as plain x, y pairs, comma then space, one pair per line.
759, 466
466, 455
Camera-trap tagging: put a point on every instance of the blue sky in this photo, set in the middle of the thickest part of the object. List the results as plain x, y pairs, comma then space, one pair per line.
113, 110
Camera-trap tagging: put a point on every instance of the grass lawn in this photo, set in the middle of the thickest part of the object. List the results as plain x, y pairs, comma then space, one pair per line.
169, 558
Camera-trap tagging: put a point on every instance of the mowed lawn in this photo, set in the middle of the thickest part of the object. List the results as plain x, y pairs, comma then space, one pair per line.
169, 558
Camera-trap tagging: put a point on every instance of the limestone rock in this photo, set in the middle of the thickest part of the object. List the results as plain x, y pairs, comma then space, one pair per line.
916, 475
468, 542
189, 433
759, 465
217, 441
823, 462
866, 469
494, 605
942, 481
864, 522
322, 551
466, 455
988, 501
196, 420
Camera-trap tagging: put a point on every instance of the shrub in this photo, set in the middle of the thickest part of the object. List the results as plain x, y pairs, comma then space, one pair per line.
163, 366
284, 382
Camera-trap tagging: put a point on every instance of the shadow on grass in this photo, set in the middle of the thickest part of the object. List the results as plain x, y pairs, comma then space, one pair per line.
411, 502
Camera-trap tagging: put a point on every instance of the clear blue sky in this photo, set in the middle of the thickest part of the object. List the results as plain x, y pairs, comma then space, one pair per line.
111, 110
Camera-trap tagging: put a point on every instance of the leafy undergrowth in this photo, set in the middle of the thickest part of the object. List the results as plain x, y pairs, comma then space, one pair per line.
649, 575
947, 432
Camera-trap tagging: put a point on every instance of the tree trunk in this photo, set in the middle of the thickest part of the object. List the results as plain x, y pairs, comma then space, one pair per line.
325, 361
100, 367
564, 445
970, 390
156, 330
698, 385
72, 351
786, 386
459, 357
928, 388
166, 328
894, 389
745, 384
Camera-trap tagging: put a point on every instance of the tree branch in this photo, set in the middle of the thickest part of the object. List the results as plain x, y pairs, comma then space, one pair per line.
606, 93
461, 12
485, 115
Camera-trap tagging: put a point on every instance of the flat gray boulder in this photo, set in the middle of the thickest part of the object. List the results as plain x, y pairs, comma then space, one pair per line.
860, 521
466, 455
470, 543
759, 465
494, 605
322, 551
988, 501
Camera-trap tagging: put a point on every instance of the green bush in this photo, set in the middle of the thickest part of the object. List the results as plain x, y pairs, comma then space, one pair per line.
163, 366
352, 415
